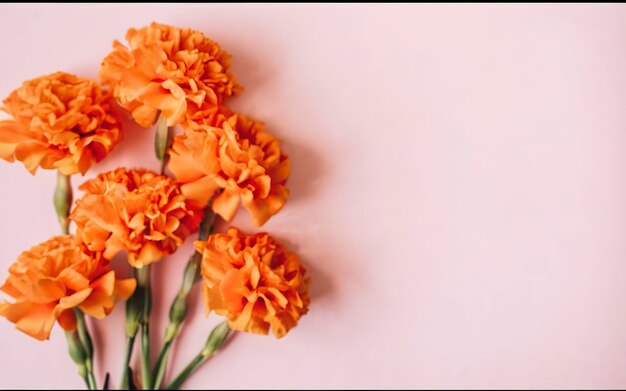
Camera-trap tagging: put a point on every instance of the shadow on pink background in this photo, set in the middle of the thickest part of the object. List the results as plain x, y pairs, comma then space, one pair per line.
457, 191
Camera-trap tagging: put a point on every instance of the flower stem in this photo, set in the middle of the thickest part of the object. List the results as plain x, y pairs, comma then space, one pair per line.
79, 341
134, 312
178, 309
85, 339
161, 364
143, 280
189, 369
63, 200
215, 340
146, 366
125, 382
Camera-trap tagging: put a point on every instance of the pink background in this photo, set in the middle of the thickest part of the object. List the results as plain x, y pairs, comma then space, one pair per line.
458, 190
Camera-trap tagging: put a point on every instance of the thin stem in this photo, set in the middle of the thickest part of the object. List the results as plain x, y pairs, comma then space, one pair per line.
214, 341
161, 364
178, 309
85, 339
189, 369
128, 351
134, 313
146, 366
91, 379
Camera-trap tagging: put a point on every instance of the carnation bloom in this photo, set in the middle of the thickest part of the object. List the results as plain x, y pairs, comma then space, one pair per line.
236, 155
52, 278
60, 121
253, 281
137, 211
166, 69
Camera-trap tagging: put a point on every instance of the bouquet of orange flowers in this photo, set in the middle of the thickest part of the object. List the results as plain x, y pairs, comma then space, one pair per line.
168, 78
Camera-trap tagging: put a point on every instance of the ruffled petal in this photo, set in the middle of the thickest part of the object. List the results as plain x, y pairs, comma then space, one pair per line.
33, 319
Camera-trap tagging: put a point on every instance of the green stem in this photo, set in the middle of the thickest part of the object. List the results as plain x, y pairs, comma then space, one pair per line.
79, 341
85, 339
91, 379
189, 369
178, 309
146, 366
63, 200
143, 275
162, 141
161, 364
125, 382
215, 340
134, 313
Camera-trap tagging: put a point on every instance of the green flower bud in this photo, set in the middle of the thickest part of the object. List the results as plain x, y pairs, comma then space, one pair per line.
162, 141
216, 339
63, 200
77, 351
134, 309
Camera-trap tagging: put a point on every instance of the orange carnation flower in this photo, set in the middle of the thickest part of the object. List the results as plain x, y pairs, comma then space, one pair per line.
165, 69
236, 155
138, 211
253, 281
59, 121
52, 278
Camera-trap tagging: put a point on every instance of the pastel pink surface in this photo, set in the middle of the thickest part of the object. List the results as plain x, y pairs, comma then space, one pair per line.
458, 191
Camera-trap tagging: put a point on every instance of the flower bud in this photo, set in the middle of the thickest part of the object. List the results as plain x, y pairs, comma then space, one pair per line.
216, 339
77, 351
63, 200
134, 309
162, 138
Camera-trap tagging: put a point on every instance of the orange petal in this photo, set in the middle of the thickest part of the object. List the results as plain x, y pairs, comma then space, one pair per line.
243, 319
73, 280
145, 116
281, 324
233, 289
105, 283
67, 320
124, 288
280, 172
33, 319
149, 254
31, 154
166, 97
200, 191
98, 304
226, 204
262, 209
11, 135
73, 300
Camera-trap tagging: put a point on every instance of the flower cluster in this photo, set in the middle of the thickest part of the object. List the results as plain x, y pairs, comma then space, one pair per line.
167, 76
